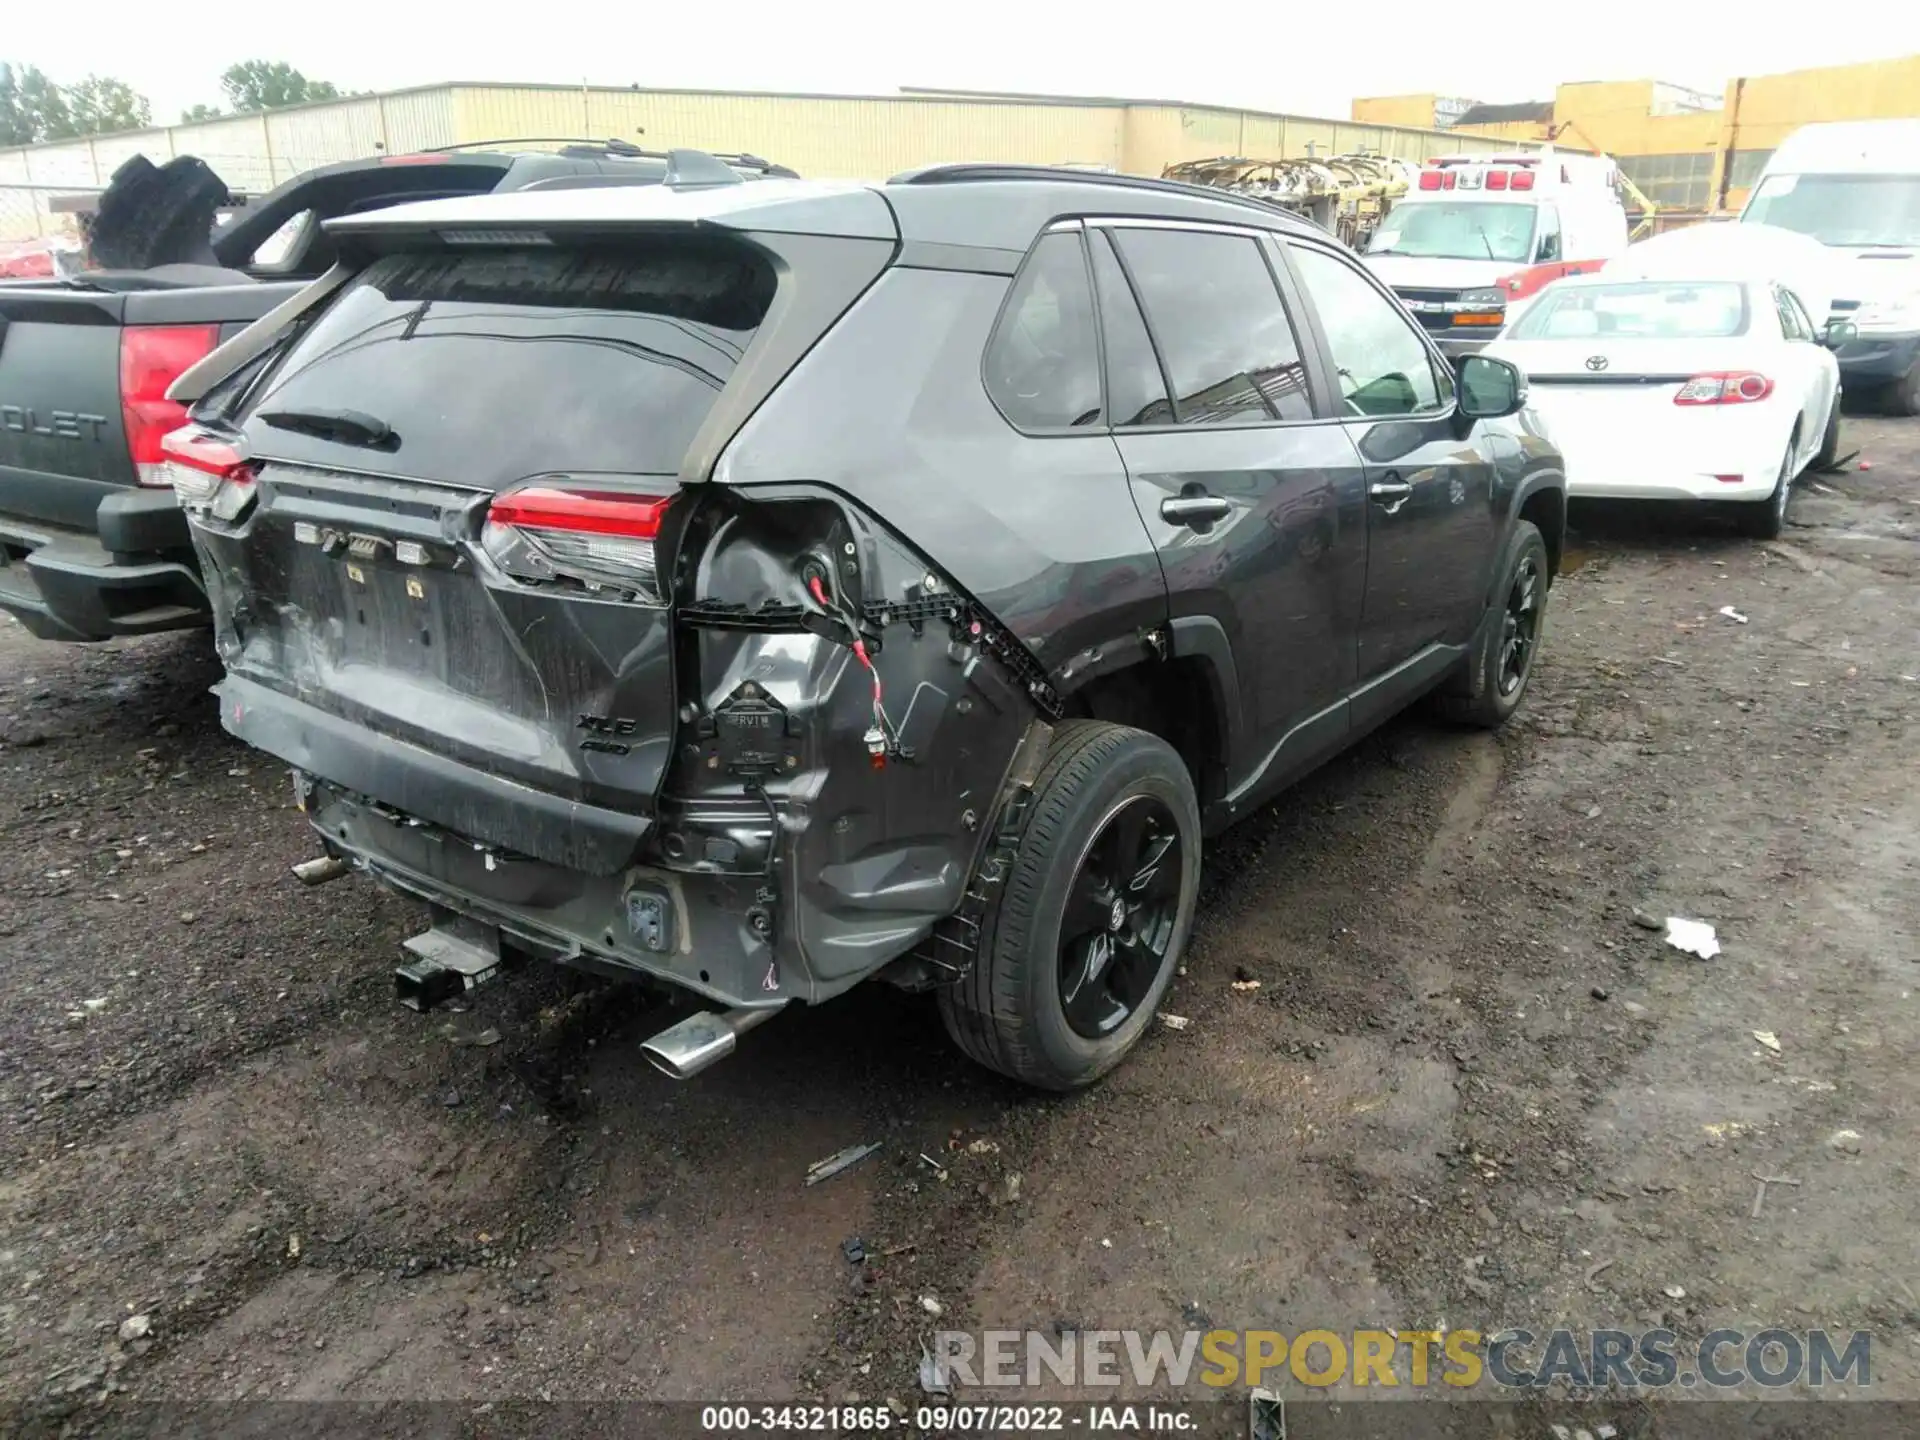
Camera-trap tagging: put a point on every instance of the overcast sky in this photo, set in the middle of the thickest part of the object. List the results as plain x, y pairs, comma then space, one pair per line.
1297, 56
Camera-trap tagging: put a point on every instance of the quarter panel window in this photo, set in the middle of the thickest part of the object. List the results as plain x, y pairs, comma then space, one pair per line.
1383, 365
1222, 331
1791, 324
1043, 362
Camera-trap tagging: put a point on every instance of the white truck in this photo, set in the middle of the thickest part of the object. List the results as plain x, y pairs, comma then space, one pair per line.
1854, 185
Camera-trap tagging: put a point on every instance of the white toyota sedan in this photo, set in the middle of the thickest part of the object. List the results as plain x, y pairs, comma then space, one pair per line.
1710, 390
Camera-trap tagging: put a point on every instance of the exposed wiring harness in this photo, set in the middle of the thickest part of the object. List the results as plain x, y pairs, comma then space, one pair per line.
888, 736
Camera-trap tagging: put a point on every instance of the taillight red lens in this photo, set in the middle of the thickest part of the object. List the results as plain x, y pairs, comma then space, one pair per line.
584, 512
152, 357
1496, 179
1724, 387
206, 471
1429, 179
602, 539
1448, 179
1523, 180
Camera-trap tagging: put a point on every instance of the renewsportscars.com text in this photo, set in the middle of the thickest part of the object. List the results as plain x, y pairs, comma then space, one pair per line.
1516, 1359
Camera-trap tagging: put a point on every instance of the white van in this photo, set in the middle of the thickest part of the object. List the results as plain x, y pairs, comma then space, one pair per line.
1854, 185
1476, 233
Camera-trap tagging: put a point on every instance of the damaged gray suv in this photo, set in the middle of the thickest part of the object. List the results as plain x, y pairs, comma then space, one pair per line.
757, 589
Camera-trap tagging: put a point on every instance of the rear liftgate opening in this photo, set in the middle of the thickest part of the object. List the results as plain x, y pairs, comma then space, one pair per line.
855, 738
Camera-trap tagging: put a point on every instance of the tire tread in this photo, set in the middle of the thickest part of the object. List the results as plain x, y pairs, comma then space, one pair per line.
983, 1010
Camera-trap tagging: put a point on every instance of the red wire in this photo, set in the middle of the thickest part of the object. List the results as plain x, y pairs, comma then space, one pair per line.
859, 646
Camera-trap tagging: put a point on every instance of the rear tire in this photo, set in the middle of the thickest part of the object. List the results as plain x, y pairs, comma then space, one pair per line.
1830, 441
1767, 519
1493, 680
1059, 993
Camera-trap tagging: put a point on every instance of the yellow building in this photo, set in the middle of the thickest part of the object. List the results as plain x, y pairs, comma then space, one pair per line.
1690, 152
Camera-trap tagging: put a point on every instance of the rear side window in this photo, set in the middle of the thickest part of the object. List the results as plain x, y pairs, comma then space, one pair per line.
1215, 311
1136, 390
1043, 363
493, 365
1793, 323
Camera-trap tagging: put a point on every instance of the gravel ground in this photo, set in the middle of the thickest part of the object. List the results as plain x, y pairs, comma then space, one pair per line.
1468, 1089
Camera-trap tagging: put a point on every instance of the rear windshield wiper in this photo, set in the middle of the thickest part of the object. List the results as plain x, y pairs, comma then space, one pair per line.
343, 427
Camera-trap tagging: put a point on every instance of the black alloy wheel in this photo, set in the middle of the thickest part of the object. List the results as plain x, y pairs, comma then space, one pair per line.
1120, 916
1520, 625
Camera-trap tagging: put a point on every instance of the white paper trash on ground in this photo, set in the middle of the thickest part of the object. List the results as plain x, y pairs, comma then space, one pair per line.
1696, 937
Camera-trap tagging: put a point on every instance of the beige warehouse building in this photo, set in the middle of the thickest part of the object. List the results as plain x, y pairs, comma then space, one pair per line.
818, 135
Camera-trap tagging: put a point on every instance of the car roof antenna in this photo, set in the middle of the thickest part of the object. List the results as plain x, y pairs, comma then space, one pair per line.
692, 169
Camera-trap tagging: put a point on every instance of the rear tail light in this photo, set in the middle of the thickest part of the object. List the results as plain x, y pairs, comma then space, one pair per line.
601, 539
152, 357
207, 473
1496, 180
1725, 387
1523, 180
1429, 179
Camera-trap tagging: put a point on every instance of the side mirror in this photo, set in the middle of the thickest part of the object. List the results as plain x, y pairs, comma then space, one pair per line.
1490, 388
1840, 332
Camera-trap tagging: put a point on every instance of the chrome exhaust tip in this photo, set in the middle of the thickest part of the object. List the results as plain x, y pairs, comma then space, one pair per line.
684, 1050
321, 869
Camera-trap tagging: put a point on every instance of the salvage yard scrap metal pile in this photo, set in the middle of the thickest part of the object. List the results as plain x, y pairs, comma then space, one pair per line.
1345, 194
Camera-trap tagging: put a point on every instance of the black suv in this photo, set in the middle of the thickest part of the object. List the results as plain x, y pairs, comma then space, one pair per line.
763, 587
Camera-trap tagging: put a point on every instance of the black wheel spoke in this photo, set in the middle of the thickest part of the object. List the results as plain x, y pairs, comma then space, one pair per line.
1155, 871
1118, 923
1519, 627
1089, 909
1086, 992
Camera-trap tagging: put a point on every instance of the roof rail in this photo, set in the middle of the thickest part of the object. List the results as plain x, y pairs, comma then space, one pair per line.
966, 172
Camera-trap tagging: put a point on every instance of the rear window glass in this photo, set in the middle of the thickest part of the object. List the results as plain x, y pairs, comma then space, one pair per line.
1651, 311
492, 365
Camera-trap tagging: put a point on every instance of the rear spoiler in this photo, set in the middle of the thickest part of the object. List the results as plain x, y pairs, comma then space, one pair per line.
226, 360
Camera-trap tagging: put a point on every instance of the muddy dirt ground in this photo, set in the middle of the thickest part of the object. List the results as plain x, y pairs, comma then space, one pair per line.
1469, 1089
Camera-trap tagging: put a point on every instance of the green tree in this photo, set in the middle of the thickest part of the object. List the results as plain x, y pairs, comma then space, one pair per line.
101, 105
16, 128
194, 114
269, 84
32, 107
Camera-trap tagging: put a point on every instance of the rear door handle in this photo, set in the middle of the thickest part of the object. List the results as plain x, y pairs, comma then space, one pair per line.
1390, 495
1194, 510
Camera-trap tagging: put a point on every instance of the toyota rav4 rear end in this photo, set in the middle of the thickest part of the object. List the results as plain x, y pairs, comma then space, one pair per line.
472, 583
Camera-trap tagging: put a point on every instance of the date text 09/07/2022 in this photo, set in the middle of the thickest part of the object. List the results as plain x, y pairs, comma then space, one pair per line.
1125, 1419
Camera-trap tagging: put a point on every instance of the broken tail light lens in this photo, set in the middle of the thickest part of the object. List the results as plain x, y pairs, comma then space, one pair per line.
601, 539
208, 474
152, 357
1725, 387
